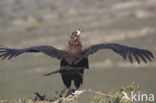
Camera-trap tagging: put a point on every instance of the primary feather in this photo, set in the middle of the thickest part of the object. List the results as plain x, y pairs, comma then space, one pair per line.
48, 50
123, 50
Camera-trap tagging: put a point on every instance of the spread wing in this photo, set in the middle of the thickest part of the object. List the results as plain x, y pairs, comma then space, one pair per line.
8, 53
122, 50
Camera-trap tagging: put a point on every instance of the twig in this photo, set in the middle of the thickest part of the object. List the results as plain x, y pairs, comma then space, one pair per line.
77, 93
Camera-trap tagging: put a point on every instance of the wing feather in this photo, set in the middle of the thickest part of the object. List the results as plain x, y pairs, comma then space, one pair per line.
122, 50
130, 58
48, 50
142, 57
136, 58
147, 56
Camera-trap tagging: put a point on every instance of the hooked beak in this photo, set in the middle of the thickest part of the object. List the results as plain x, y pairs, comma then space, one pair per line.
79, 31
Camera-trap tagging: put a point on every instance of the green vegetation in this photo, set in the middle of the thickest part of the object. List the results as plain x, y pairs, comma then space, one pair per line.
97, 96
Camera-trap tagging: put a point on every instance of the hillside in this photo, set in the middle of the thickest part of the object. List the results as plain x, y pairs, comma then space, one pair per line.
25, 23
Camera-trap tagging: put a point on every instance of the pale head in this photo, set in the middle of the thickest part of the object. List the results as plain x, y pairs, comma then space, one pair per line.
76, 34
75, 40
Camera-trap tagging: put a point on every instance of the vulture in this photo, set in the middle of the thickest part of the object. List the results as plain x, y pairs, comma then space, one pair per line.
74, 60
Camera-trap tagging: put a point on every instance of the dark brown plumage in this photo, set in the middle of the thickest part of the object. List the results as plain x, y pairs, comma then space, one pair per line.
74, 60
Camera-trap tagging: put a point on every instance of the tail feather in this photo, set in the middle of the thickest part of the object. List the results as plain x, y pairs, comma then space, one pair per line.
54, 72
78, 80
67, 77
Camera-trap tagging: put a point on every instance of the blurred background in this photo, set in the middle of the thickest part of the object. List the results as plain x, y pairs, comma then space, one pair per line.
25, 23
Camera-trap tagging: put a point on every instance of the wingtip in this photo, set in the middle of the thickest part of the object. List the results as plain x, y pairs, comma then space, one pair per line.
138, 62
152, 55
130, 58
145, 62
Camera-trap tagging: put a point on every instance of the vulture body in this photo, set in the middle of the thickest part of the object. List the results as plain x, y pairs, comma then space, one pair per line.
74, 60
